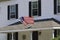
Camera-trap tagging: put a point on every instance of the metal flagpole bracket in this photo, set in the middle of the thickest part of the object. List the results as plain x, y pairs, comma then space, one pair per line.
28, 27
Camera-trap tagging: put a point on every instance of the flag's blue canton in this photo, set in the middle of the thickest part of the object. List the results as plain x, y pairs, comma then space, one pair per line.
22, 19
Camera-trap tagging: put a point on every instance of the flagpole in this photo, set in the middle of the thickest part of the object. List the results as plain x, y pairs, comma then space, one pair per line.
28, 26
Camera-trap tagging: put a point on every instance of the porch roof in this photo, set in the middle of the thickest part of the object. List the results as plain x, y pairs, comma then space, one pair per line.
41, 25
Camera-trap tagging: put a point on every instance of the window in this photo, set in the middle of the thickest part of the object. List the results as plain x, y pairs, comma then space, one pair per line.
35, 8
56, 6
13, 11
13, 36
56, 32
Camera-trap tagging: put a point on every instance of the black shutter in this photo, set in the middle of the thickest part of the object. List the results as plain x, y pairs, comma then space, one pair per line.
29, 9
16, 11
55, 4
39, 7
35, 35
55, 33
8, 12
16, 35
7, 36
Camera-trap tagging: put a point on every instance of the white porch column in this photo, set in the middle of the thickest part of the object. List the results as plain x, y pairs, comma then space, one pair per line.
3, 36
53, 34
31, 34
12, 35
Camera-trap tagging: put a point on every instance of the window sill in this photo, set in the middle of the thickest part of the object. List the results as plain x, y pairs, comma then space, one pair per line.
58, 14
36, 16
13, 19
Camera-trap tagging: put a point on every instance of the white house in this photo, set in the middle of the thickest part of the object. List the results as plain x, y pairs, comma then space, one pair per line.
41, 10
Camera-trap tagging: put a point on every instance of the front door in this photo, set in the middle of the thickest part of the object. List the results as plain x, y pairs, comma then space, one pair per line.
35, 35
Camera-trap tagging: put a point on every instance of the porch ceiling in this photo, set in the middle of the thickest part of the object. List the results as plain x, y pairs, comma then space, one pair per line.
42, 25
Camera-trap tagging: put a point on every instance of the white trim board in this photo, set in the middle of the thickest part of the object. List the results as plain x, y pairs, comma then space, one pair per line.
31, 29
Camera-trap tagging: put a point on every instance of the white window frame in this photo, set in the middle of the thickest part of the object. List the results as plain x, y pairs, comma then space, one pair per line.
57, 8
34, 8
10, 8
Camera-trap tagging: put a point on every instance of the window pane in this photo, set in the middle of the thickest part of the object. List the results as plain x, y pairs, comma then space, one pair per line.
35, 12
34, 4
58, 9
12, 8
13, 15
34, 8
58, 2
12, 11
58, 6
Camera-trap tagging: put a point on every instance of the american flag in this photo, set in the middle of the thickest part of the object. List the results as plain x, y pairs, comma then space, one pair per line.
27, 20
22, 21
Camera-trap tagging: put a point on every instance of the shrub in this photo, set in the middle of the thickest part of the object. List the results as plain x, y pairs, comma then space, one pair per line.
56, 38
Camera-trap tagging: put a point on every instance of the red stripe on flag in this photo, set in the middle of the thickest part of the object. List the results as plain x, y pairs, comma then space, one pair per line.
29, 20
